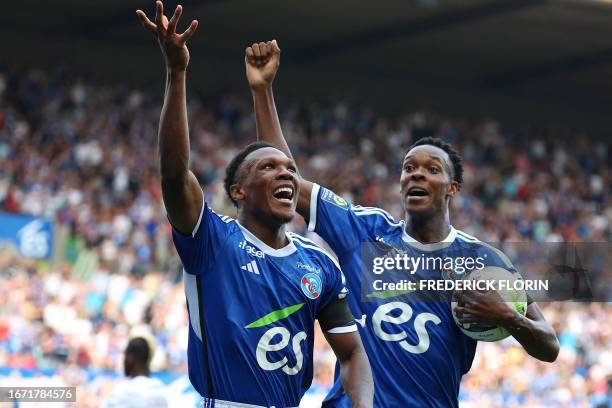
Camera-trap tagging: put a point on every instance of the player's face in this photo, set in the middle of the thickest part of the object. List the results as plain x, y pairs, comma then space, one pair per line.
426, 182
270, 185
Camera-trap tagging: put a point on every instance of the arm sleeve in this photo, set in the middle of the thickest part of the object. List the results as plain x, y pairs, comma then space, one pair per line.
336, 317
334, 314
333, 218
199, 250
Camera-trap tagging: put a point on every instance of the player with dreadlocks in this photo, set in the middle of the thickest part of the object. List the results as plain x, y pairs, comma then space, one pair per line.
417, 352
253, 289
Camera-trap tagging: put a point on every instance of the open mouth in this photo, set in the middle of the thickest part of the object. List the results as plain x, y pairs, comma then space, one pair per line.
284, 194
417, 192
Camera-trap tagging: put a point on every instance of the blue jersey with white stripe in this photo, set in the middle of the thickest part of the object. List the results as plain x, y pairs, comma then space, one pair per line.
417, 353
252, 310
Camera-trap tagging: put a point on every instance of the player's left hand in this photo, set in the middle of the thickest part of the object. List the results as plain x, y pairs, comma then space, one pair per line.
262, 61
484, 307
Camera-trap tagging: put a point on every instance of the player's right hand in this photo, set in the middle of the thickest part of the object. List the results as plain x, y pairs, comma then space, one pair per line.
172, 44
262, 61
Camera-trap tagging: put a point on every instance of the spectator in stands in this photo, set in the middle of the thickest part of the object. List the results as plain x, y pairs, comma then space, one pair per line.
139, 390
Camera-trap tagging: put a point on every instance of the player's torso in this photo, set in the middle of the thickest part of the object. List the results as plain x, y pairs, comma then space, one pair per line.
259, 316
416, 351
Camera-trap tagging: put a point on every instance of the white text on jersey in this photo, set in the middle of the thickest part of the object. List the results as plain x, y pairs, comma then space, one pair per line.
251, 267
250, 249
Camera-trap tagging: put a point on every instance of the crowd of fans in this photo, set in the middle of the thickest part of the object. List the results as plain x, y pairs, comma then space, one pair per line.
84, 155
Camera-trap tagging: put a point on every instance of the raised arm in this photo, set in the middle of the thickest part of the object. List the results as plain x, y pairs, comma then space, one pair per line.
262, 61
181, 191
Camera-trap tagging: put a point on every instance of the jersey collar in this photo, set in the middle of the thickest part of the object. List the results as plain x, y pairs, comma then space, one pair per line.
429, 247
265, 248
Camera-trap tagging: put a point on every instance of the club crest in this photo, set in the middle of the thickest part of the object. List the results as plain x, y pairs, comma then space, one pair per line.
312, 285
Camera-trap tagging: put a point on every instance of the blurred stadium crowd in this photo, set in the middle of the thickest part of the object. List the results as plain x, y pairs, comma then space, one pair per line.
84, 154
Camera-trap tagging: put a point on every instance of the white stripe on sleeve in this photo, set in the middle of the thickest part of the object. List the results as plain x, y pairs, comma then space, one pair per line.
314, 199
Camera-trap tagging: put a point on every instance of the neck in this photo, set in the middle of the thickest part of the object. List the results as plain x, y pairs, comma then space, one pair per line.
428, 229
136, 371
272, 235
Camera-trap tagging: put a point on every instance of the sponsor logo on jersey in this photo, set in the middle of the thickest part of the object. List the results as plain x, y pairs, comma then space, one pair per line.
251, 267
335, 199
399, 314
251, 250
312, 286
309, 268
277, 339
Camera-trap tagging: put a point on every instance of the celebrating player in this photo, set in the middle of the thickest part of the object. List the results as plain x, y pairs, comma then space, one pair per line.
253, 289
417, 352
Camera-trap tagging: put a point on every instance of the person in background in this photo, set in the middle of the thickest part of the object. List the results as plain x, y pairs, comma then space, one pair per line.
138, 390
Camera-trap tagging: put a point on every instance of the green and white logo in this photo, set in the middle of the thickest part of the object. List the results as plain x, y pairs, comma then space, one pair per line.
266, 344
335, 199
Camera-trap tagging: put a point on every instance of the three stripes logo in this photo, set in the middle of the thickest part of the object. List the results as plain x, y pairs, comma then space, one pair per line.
251, 267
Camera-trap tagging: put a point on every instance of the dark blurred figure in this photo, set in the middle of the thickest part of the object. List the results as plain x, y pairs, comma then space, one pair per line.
138, 390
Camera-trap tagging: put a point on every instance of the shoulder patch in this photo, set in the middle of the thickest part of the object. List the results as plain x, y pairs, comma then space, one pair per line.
312, 285
335, 199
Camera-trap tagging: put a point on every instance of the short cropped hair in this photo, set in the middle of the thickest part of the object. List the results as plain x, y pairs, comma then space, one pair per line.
139, 348
232, 168
455, 157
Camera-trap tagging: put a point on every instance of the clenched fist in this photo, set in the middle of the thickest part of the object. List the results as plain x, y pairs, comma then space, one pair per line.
262, 61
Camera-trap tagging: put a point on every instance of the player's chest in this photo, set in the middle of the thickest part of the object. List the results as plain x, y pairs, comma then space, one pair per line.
259, 278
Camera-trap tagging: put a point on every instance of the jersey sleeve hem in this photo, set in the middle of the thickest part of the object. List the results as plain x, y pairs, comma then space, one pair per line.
197, 226
314, 199
343, 329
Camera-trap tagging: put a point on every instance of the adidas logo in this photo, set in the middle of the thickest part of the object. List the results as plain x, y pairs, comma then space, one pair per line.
251, 267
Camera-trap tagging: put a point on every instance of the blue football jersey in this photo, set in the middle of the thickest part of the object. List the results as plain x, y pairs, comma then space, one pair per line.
417, 353
251, 312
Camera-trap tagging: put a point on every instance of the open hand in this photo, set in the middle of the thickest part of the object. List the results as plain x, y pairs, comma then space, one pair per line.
484, 307
172, 44
262, 61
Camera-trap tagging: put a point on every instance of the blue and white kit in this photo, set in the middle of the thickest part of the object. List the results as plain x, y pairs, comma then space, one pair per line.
417, 353
251, 312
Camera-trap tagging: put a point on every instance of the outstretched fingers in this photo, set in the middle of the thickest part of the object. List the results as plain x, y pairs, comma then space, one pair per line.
189, 31
146, 23
175, 18
159, 13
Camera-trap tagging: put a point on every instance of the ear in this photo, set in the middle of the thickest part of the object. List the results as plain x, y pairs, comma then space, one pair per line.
237, 193
453, 188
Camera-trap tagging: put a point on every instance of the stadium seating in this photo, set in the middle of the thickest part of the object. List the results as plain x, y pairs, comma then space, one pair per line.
84, 155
